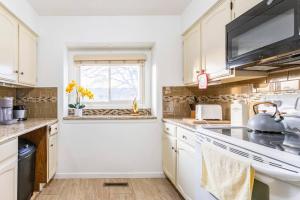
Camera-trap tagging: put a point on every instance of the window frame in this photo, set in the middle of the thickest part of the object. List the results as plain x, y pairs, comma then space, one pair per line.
149, 70
115, 103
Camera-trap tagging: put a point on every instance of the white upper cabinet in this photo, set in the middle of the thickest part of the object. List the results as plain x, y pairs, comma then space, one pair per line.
192, 54
242, 6
214, 39
27, 56
8, 46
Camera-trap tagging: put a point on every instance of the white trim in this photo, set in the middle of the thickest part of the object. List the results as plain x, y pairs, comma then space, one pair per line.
146, 76
109, 175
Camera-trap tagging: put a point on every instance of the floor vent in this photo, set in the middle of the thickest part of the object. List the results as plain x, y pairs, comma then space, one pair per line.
120, 184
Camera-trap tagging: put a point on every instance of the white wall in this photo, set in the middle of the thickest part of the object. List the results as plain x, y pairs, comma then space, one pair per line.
23, 10
131, 148
194, 11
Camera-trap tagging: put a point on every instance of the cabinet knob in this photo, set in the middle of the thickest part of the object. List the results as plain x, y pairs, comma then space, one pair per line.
16, 71
184, 137
51, 145
22, 73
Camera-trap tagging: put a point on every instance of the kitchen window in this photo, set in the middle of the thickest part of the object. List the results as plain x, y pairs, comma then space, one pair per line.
115, 80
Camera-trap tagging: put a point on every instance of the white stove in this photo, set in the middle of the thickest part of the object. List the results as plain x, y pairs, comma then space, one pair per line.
275, 160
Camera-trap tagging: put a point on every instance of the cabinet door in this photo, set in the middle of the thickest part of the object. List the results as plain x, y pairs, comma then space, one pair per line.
27, 56
9, 179
8, 46
214, 39
169, 157
242, 6
52, 154
186, 180
192, 55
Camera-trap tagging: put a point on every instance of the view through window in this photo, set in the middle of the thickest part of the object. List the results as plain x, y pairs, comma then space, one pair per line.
113, 83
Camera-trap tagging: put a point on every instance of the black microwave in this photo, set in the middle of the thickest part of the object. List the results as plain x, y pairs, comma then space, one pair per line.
265, 38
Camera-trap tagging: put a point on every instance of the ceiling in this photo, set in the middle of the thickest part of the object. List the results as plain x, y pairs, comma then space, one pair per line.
108, 7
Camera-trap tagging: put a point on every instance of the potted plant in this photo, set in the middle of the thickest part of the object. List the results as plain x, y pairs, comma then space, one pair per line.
81, 93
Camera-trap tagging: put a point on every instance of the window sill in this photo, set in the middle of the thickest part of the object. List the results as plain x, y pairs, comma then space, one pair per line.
111, 117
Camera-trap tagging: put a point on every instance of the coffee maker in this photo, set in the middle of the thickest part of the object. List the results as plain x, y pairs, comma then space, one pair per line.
6, 111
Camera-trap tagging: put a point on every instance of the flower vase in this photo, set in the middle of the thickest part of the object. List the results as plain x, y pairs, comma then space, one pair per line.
78, 112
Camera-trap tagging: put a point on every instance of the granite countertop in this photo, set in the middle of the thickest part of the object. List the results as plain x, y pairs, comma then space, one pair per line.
110, 117
182, 123
10, 131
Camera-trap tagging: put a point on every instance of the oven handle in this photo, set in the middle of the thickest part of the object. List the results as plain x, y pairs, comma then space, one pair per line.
278, 173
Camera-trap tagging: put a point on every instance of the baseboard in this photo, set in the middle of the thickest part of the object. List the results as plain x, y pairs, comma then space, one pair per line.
110, 175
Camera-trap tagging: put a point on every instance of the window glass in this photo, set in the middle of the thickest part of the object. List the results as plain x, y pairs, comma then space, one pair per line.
115, 84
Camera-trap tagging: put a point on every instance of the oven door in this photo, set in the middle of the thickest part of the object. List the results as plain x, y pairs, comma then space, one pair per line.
265, 187
269, 29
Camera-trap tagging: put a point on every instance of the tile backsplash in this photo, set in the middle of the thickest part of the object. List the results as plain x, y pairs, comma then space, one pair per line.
111, 112
40, 102
283, 86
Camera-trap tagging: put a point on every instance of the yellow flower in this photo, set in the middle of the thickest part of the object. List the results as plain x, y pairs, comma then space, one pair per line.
69, 89
89, 93
81, 91
71, 86
73, 83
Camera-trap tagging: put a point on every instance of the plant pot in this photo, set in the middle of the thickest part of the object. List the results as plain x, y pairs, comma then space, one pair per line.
78, 112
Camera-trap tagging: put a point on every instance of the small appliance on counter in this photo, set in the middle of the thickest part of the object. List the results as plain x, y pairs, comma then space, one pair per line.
20, 112
6, 111
239, 113
209, 112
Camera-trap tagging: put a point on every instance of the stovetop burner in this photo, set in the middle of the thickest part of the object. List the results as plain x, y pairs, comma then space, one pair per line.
286, 141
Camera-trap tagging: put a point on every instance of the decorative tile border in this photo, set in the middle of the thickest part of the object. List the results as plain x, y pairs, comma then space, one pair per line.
41, 99
111, 112
40, 102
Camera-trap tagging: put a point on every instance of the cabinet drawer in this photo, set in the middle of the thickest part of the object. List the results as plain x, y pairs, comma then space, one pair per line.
8, 149
170, 129
186, 136
53, 129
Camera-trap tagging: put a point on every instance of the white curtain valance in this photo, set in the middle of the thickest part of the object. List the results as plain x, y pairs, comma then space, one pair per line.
109, 59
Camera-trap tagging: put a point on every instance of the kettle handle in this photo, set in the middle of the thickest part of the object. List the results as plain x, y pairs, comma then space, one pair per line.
255, 107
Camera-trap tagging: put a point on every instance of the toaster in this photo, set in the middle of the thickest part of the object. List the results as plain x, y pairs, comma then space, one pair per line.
208, 112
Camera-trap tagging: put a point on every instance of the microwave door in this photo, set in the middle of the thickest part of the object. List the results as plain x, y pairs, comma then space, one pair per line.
263, 32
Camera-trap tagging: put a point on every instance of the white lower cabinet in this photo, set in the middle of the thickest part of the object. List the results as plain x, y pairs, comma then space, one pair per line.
9, 170
52, 156
52, 151
169, 157
179, 161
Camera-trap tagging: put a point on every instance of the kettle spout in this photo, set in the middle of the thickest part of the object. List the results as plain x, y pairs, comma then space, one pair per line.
279, 118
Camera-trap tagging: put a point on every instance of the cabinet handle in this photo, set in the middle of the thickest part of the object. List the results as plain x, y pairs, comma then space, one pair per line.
167, 129
173, 148
184, 137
